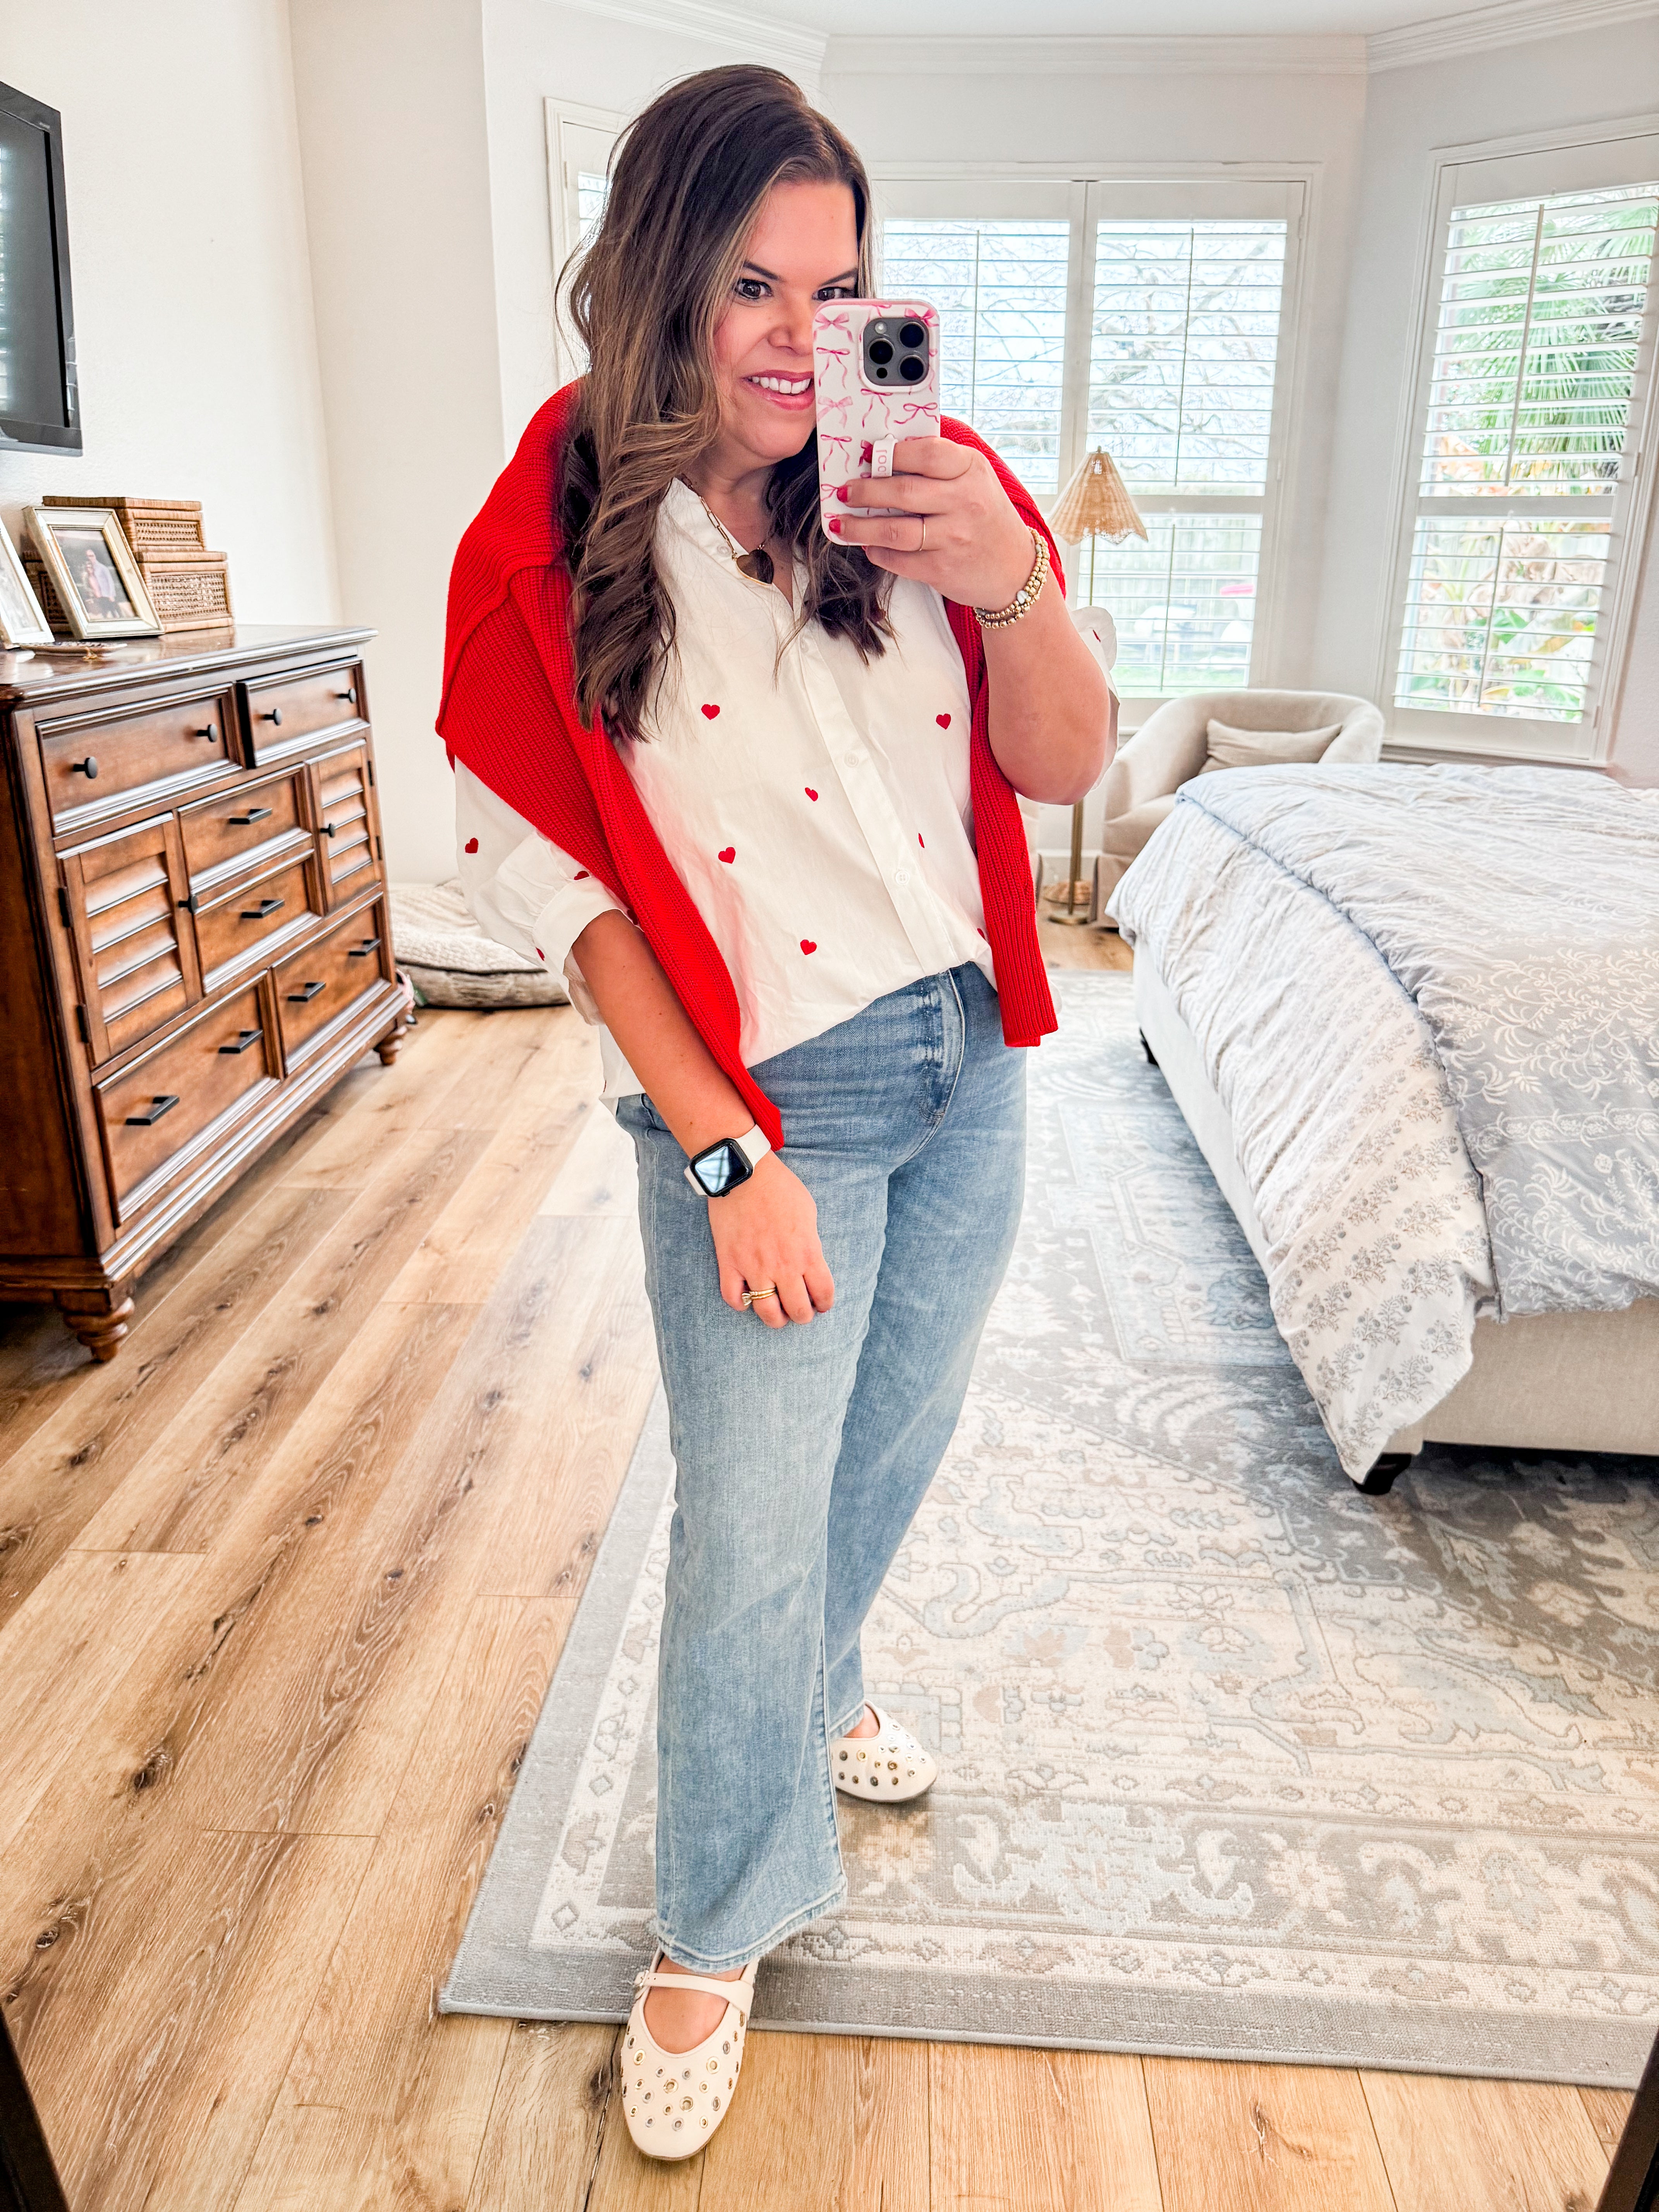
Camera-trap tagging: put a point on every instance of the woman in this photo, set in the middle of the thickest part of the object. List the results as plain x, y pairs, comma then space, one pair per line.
752, 789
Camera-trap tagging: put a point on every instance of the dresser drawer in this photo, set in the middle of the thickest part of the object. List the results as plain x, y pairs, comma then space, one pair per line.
347, 823
232, 830
123, 898
256, 918
287, 709
167, 1107
332, 973
94, 765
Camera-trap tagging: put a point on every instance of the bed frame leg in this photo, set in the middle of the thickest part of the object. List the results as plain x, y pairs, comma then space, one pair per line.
1147, 1049
1378, 1479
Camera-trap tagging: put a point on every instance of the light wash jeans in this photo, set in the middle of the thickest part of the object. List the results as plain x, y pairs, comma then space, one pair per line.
802, 1454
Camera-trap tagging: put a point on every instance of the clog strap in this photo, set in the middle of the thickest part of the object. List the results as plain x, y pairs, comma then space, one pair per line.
741, 1993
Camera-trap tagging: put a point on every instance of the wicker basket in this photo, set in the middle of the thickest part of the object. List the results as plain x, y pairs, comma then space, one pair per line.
169, 529
47, 592
188, 595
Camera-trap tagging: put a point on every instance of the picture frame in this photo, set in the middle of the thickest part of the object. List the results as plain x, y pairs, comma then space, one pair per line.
22, 624
84, 552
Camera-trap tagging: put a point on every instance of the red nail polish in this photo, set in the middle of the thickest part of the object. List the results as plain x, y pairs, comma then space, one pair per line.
835, 524
843, 491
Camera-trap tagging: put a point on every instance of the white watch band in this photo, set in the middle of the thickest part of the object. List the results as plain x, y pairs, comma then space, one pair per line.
754, 1144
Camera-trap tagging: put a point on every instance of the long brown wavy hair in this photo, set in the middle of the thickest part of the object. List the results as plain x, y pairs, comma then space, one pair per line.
686, 185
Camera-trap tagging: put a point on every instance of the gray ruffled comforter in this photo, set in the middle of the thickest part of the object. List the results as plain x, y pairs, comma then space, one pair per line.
1518, 909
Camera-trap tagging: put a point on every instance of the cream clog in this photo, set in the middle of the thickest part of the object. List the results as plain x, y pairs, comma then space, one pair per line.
885, 1768
674, 2099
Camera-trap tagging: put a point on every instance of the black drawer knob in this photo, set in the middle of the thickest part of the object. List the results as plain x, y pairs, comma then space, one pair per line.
350, 692
88, 767
329, 830
158, 1106
243, 1039
362, 951
272, 714
207, 729
247, 821
306, 992
259, 913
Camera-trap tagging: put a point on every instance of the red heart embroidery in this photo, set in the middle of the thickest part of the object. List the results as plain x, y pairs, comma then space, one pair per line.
540, 955
580, 874
807, 946
921, 840
943, 720
711, 712
808, 789
730, 854
980, 933
472, 844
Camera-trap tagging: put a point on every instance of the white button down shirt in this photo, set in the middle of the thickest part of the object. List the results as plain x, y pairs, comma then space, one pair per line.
815, 806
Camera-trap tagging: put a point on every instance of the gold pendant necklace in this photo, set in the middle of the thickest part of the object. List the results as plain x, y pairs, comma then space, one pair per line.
757, 565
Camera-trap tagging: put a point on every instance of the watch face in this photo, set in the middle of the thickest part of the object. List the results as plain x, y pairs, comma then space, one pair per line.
721, 1168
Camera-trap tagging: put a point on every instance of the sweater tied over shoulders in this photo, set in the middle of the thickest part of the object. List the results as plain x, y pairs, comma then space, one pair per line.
509, 712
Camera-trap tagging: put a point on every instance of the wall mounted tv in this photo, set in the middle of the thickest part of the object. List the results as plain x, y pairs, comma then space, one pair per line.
40, 407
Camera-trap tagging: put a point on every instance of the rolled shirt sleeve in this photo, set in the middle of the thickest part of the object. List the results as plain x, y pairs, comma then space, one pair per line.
521, 889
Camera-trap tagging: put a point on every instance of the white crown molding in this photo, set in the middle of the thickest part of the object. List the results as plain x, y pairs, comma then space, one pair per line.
758, 38
1509, 23
1268, 54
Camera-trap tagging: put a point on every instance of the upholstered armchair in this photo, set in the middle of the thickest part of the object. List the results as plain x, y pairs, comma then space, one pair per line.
1172, 745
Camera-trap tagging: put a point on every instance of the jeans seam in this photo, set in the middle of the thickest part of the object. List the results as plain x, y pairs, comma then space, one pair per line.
937, 1121
836, 1894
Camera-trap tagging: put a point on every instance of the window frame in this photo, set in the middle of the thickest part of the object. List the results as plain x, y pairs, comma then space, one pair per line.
1580, 158
1086, 191
566, 122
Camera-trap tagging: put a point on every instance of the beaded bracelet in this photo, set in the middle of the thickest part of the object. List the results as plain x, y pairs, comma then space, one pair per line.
1026, 597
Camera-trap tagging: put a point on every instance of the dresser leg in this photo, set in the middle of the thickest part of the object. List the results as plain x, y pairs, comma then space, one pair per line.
99, 1318
391, 1044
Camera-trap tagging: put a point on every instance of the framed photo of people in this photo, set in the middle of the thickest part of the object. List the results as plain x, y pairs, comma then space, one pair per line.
84, 551
22, 625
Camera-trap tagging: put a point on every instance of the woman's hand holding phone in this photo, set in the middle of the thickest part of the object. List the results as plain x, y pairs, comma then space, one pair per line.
957, 532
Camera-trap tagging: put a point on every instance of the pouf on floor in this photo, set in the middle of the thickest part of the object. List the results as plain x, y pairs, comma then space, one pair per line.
450, 960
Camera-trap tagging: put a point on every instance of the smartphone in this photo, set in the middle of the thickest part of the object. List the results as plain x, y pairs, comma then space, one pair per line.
875, 372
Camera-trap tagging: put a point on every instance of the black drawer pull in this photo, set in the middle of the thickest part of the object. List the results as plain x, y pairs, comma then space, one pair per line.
272, 714
362, 951
329, 830
158, 1106
350, 692
304, 994
247, 821
88, 767
189, 904
259, 913
207, 729
243, 1039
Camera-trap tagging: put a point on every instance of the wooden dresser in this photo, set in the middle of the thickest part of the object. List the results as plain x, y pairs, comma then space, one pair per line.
196, 942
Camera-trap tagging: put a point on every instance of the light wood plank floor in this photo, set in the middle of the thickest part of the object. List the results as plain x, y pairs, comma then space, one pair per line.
281, 1591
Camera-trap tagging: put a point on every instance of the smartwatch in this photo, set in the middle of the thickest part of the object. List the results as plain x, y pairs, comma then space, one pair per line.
721, 1167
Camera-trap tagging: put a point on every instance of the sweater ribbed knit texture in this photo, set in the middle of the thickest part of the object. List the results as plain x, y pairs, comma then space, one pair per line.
509, 711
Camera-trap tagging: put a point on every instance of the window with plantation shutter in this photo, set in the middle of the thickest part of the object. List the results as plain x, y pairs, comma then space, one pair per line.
1540, 358
1144, 319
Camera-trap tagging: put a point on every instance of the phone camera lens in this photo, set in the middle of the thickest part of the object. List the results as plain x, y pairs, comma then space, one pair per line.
912, 335
881, 350
913, 370
881, 372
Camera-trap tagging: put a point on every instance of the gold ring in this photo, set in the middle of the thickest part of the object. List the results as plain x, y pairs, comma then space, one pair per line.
922, 547
769, 1291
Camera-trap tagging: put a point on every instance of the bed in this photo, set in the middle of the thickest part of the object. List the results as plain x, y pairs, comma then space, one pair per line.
1412, 1018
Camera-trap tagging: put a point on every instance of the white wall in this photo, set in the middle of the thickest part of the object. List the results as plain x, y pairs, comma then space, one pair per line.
1081, 118
392, 131
192, 293
1540, 85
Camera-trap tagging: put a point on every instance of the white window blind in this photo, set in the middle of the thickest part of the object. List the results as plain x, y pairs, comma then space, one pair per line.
1526, 449
1184, 362
1000, 290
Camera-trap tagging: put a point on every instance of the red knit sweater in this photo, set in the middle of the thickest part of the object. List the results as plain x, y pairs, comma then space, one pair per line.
509, 712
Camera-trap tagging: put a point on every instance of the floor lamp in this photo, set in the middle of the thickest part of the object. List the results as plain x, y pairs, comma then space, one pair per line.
1094, 505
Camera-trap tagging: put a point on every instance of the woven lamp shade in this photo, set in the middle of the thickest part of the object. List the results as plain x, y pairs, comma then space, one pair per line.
1094, 505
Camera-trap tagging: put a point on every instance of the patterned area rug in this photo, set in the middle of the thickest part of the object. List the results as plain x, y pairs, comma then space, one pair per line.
1237, 1763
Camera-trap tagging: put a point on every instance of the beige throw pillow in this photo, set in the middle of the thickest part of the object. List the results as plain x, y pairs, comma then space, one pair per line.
1230, 748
